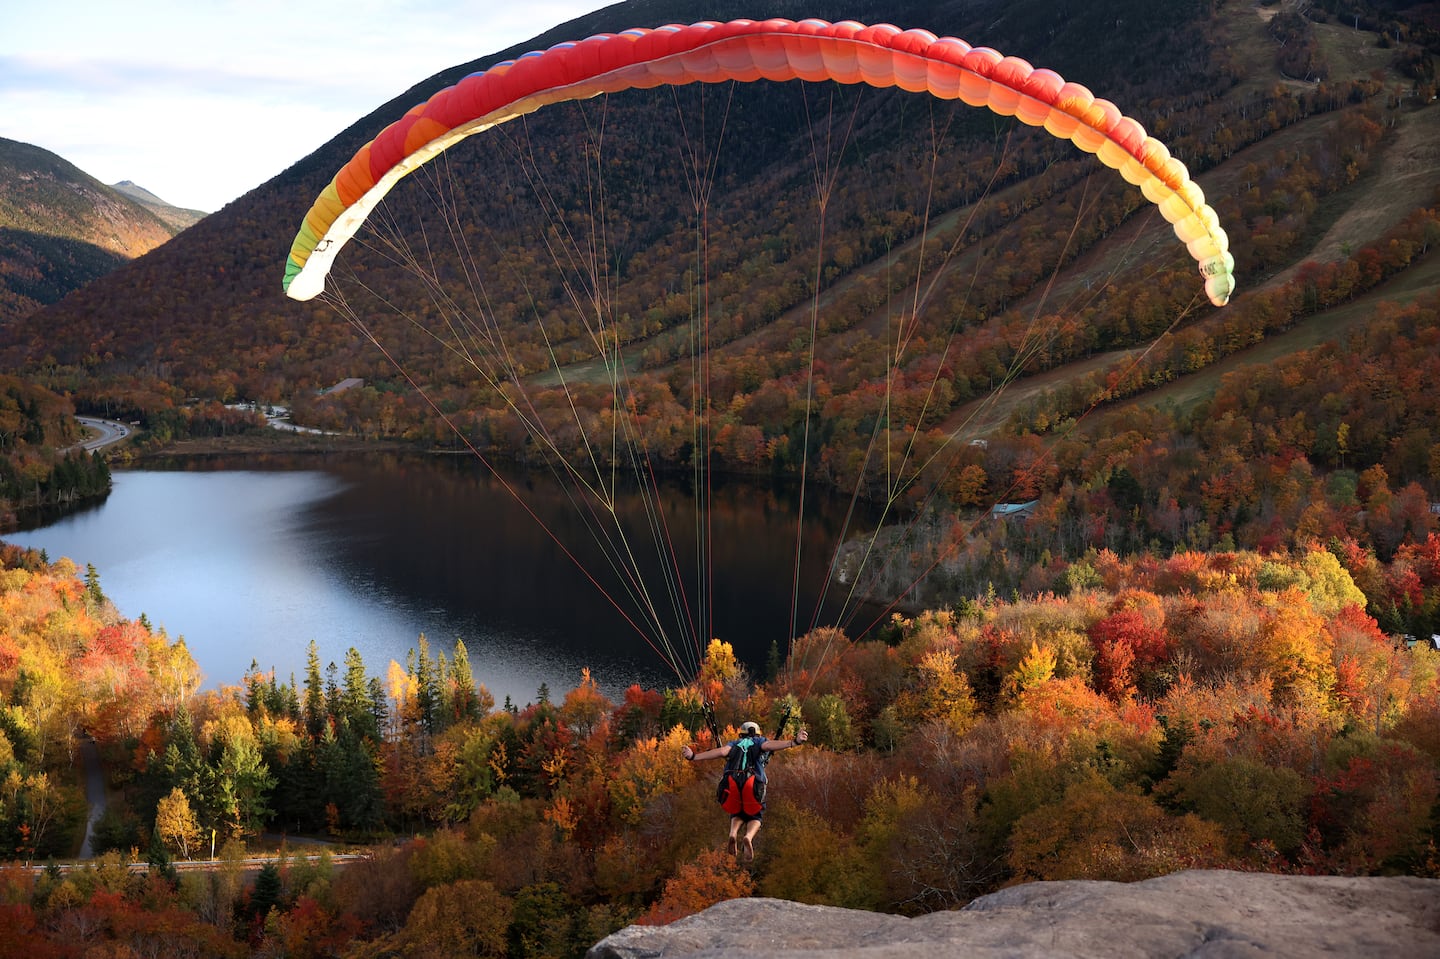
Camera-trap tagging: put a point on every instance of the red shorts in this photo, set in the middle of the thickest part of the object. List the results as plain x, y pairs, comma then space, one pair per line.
742, 796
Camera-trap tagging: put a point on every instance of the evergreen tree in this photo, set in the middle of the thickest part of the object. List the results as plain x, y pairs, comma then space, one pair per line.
179, 766
773, 661
238, 785
332, 692
291, 695
462, 683
314, 691
350, 781
276, 700
296, 798
157, 858
268, 892
444, 695
93, 595
379, 704
183, 763
101, 473
427, 696
355, 698
254, 690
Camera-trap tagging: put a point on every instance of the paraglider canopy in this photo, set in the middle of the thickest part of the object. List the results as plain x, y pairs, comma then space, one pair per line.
574, 368
745, 51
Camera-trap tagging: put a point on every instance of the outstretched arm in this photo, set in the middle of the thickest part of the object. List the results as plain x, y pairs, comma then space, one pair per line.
771, 745
719, 752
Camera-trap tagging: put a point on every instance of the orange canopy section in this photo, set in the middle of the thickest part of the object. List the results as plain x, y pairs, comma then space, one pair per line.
746, 51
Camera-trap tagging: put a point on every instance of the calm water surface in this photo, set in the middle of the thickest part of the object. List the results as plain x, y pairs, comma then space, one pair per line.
253, 559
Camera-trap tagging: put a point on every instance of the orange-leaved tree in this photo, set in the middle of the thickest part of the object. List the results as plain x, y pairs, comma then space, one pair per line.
713, 876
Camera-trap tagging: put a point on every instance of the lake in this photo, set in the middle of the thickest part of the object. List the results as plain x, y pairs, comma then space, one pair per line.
251, 559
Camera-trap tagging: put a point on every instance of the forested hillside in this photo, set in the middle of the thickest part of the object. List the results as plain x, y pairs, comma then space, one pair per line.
1021, 289
61, 228
1223, 710
41, 464
216, 298
174, 216
1185, 654
1183, 647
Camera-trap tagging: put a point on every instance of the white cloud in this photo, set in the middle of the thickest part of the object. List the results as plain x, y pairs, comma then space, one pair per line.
199, 102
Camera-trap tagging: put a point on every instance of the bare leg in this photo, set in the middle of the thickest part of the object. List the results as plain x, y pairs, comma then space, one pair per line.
732, 845
747, 841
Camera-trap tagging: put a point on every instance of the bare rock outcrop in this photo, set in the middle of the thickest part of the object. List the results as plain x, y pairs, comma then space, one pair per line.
1212, 914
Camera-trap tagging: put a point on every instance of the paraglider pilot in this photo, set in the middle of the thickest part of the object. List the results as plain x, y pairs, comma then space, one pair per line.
742, 787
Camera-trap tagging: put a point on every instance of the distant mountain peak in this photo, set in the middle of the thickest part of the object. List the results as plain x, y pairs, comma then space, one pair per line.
131, 188
172, 215
60, 228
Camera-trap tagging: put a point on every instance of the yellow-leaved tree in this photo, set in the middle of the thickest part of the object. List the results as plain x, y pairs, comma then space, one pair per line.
1099, 831
175, 823
465, 918
647, 769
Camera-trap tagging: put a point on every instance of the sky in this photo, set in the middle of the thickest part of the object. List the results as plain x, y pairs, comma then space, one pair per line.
199, 101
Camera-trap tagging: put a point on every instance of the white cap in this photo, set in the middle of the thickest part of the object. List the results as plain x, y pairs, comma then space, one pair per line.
749, 727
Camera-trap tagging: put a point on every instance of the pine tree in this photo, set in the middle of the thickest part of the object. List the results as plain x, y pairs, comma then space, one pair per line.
157, 858
314, 691
332, 692
267, 892
379, 705
427, 697
351, 783
462, 683
254, 689
93, 595
444, 695
355, 697
291, 694
239, 786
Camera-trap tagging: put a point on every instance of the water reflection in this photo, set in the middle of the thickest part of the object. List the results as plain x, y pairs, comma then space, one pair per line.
254, 558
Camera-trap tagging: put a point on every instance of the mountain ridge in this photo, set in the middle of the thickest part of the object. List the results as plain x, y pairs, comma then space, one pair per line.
61, 229
206, 316
177, 217
294, 188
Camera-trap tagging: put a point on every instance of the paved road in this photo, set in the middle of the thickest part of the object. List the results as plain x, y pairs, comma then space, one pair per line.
251, 864
94, 792
108, 432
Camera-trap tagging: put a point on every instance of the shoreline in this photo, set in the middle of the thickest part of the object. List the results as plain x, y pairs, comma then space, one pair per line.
267, 441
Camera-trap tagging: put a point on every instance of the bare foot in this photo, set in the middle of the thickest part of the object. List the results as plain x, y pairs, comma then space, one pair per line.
730, 846
749, 849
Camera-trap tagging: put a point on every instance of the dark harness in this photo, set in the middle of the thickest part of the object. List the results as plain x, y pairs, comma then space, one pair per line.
742, 786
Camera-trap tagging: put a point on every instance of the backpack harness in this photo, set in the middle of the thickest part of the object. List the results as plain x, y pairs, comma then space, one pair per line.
742, 785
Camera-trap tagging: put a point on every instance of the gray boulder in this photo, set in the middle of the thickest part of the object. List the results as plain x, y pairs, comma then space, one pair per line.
1203, 913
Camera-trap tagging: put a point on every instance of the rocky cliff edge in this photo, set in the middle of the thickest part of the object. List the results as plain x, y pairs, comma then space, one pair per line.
1210, 914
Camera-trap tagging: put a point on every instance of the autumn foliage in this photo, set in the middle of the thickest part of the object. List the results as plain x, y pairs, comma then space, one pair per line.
1207, 643
1207, 710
